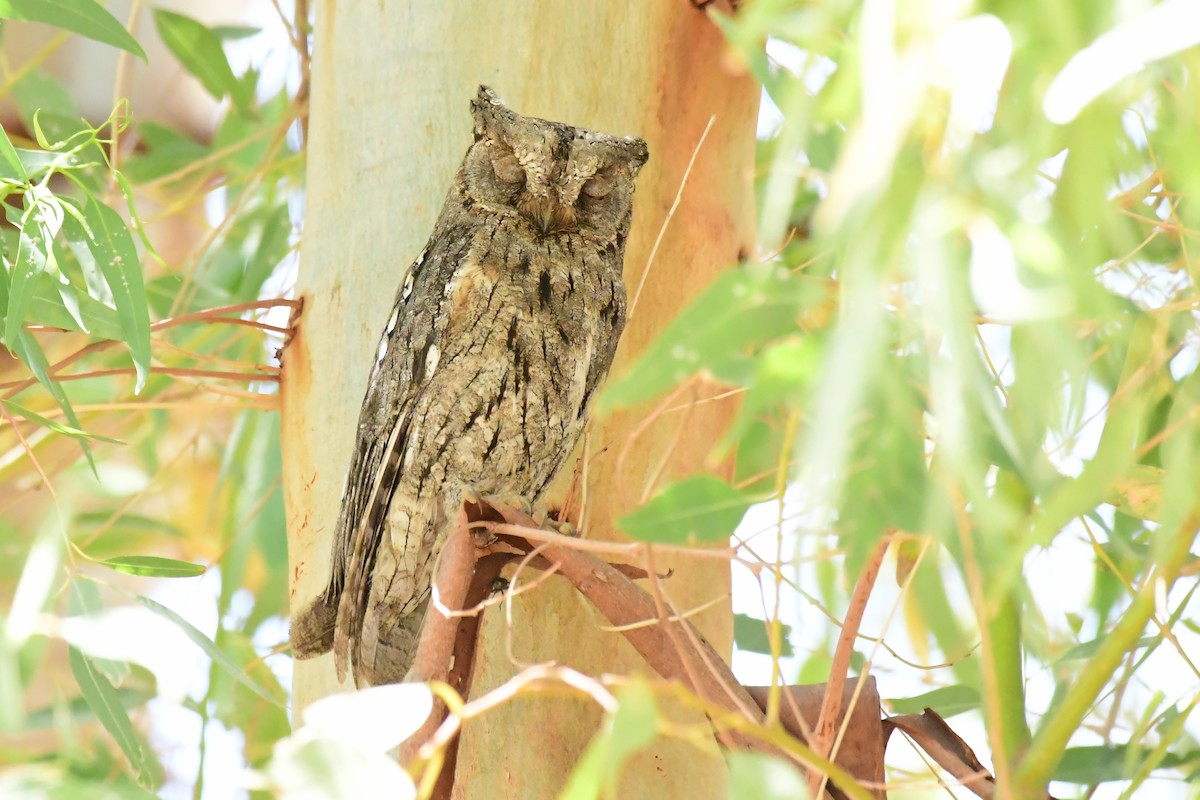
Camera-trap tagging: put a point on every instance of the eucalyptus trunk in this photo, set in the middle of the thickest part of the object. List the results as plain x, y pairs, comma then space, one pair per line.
389, 122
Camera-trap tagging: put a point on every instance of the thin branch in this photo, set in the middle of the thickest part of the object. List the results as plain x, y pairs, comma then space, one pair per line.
637, 294
831, 708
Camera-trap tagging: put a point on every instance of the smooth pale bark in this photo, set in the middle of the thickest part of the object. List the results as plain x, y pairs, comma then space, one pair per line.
389, 124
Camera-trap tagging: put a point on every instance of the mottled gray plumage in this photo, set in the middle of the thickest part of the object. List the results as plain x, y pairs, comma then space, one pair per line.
503, 329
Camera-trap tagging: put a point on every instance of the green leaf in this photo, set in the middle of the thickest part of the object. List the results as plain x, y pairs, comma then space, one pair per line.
750, 634
1115, 452
887, 485
112, 246
126, 524
10, 164
636, 722
946, 701
755, 776
47, 106
13, 719
58, 780
1089, 648
57, 427
38, 162
747, 42
85, 600
26, 348
166, 152
85, 597
757, 464
33, 240
199, 50
264, 723
154, 567
89, 315
1099, 764
208, 646
741, 309
134, 221
701, 508
230, 33
783, 373
632, 727
79, 712
85, 17
108, 707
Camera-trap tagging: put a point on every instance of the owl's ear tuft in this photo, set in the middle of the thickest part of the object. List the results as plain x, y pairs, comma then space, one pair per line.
487, 95
638, 153
485, 108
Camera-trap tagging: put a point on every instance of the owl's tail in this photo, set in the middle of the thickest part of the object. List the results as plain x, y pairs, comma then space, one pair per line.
379, 617
389, 645
312, 629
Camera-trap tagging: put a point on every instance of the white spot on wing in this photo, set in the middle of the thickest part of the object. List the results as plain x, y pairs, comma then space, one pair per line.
391, 326
582, 364
432, 355
383, 345
408, 287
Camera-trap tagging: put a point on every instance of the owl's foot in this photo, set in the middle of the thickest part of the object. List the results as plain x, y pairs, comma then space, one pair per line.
541, 516
509, 499
474, 497
563, 528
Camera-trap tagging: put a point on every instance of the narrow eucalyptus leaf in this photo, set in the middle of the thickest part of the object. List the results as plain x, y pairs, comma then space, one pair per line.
702, 508
154, 567
85, 17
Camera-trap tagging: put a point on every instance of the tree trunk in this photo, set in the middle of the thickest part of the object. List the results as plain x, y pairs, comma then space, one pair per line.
389, 124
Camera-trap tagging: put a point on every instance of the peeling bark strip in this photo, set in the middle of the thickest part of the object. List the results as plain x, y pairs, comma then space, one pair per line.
947, 748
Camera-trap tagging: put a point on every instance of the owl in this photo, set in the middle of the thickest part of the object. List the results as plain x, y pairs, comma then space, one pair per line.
502, 330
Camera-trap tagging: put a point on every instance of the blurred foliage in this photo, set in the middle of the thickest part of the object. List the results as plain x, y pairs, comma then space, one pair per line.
972, 329
139, 439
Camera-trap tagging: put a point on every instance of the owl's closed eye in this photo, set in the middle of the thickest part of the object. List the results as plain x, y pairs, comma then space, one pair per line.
557, 178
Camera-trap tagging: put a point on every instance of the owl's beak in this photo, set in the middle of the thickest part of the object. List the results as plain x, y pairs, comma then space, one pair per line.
547, 214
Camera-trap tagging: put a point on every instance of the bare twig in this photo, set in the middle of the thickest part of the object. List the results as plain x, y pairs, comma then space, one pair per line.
831, 709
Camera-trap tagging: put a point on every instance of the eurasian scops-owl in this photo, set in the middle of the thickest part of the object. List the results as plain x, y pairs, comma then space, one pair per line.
502, 330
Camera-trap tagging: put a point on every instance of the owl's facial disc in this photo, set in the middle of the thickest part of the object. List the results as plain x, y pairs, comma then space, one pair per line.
530, 168
557, 177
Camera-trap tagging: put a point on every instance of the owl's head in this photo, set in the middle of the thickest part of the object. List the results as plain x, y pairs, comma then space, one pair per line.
557, 177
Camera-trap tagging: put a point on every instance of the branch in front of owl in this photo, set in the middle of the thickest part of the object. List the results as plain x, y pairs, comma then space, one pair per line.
465, 574
669, 644
688, 659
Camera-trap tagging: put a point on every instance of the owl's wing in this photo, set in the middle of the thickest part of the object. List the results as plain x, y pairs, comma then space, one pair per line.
396, 383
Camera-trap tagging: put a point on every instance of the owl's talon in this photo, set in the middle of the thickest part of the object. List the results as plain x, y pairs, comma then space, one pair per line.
561, 527
506, 499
